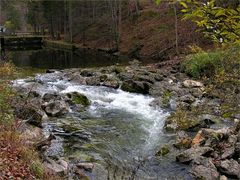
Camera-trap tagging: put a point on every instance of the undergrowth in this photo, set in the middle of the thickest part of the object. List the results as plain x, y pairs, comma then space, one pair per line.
222, 64
18, 159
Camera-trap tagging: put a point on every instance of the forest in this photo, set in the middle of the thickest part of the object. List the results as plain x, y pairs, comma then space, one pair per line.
120, 89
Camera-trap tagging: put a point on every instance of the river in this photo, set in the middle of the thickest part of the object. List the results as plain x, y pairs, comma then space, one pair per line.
120, 132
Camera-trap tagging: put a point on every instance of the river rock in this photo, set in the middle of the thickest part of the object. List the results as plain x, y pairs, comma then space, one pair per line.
85, 166
192, 153
77, 78
50, 97
163, 151
204, 168
182, 140
79, 98
180, 121
228, 152
147, 77
56, 108
223, 178
211, 137
136, 86
230, 167
126, 76
31, 114
206, 173
111, 82
31, 134
59, 168
191, 83
87, 73
237, 150
93, 81
51, 71
187, 98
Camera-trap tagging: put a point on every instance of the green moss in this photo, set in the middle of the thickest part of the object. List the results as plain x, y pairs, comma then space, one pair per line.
37, 169
166, 98
118, 69
79, 98
183, 120
163, 151
227, 115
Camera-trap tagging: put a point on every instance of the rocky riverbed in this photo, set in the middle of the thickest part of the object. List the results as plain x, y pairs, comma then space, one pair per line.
142, 122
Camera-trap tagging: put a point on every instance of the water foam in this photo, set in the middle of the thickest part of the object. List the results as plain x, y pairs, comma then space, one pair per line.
136, 104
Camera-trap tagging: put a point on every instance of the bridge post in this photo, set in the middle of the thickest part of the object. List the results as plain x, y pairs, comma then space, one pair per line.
2, 42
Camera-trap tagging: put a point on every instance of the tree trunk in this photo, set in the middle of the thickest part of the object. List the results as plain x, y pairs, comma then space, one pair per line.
70, 22
176, 28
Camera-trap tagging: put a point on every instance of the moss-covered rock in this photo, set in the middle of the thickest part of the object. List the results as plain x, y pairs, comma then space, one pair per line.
30, 113
163, 151
182, 120
79, 98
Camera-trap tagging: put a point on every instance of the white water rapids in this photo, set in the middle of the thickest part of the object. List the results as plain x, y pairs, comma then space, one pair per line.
132, 103
125, 129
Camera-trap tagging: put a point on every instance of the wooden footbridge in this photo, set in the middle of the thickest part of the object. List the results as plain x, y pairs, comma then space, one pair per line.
20, 39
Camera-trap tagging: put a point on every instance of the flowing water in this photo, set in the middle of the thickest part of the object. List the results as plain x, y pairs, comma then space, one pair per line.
119, 131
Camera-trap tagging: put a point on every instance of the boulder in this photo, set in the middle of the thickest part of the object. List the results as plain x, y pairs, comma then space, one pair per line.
31, 114
223, 178
79, 98
31, 134
111, 82
87, 73
78, 79
56, 108
237, 150
230, 168
135, 86
146, 78
182, 140
228, 152
86, 166
59, 167
93, 81
181, 121
191, 83
81, 174
211, 137
192, 153
187, 98
206, 173
51, 97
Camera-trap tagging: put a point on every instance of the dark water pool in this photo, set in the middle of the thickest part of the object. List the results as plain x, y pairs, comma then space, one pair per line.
45, 58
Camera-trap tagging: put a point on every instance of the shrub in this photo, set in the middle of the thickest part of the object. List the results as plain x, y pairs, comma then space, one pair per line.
202, 64
224, 63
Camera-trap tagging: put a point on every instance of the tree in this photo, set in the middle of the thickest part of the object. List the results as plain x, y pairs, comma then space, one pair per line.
218, 20
174, 3
12, 16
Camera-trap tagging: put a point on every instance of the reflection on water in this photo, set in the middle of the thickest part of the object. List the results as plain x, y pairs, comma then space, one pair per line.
43, 58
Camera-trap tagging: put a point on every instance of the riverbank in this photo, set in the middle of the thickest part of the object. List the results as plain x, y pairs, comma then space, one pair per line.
18, 157
201, 117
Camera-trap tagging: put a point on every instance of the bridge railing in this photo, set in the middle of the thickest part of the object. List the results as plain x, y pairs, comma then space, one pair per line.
22, 34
